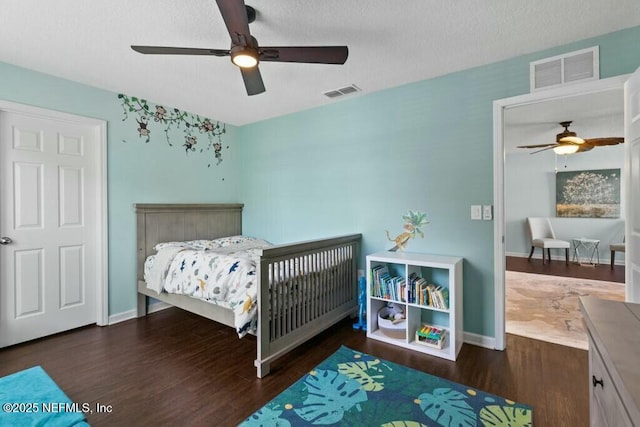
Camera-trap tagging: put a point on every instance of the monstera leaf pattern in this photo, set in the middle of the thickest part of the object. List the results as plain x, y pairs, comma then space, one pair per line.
448, 408
368, 373
269, 417
496, 415
330, 395
355, 389
404, 424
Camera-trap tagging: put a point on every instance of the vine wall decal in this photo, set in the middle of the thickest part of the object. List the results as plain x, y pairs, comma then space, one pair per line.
192, 125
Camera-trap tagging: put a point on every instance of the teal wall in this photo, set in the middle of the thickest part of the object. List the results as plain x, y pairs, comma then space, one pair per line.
354, 166
138, 172
358, 165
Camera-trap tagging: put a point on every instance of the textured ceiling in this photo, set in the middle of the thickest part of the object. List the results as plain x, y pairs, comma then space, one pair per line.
390, 43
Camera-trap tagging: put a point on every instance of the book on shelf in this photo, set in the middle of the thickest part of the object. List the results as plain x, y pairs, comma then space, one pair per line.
444, 294
376, 272
441, 297
427, 294
415, 289
434, 296
437, 292
417, 292
386, 286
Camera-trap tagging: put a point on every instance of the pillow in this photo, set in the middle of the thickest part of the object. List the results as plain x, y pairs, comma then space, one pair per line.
190, 244
222, 242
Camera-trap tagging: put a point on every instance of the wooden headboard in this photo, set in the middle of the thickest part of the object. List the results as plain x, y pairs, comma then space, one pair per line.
158, 223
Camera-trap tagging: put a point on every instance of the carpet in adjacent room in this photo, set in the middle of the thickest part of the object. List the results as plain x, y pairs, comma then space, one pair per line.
547, 308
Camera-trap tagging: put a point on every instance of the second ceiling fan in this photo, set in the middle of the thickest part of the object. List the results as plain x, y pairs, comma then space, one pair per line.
568, 142
246, 53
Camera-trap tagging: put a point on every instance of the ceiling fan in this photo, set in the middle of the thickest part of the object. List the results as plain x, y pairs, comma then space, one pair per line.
568, 142
246, 53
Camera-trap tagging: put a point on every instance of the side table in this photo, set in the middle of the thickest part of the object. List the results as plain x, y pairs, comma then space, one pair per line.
589, 249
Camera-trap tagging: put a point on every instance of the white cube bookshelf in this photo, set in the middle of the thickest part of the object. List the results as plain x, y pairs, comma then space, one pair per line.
443, 271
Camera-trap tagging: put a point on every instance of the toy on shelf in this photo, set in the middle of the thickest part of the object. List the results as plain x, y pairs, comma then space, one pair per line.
362, 301
391, 321
431, 336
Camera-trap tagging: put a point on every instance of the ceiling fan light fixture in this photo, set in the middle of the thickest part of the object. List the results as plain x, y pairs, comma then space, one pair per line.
567, 135
566, 149
244, 57
572, 139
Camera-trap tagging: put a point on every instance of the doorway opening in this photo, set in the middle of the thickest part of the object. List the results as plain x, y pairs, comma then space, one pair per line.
537, 113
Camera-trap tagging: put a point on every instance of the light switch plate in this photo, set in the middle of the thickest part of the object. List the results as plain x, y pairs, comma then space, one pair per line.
476, 212
487, 212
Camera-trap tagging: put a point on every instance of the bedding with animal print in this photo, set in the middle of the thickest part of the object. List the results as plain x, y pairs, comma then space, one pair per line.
222, 273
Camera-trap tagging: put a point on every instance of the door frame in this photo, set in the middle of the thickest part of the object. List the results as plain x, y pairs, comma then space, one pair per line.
102, 277
632, 266
499, 106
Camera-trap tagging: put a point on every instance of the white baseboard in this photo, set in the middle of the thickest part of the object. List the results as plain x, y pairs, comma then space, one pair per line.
561, 258
538, 255
132, 314
479, 340
517, 254
121, 317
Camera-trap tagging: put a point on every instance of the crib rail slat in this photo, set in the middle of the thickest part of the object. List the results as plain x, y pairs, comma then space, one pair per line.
313, 284
304, 288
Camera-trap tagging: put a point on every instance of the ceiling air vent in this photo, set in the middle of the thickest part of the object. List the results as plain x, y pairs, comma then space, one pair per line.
342, 91
573, 67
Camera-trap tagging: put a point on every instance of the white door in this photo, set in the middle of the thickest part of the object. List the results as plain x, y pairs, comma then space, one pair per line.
632, 164
48, 225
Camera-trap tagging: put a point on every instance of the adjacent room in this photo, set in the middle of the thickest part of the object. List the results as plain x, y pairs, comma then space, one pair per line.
209, 209
541, 298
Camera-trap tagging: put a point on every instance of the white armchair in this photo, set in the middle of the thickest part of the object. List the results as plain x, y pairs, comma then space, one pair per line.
543, 237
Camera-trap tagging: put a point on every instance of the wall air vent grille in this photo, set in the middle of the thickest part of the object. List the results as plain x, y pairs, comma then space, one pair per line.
573, 67
342, 91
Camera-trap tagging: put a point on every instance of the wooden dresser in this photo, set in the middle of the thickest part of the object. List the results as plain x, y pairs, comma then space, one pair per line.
614, 361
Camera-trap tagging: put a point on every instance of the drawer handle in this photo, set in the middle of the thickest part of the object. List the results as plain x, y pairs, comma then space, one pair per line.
596, 382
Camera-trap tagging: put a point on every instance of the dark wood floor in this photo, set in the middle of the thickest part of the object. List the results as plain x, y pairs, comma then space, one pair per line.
560, 268
175, 368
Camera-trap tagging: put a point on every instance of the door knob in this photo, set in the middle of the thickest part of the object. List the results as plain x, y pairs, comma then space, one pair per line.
5, 241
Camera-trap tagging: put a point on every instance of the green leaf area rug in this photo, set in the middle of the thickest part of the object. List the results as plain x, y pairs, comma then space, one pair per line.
351, 388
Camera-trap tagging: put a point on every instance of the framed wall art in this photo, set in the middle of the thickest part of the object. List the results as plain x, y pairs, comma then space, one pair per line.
588, 194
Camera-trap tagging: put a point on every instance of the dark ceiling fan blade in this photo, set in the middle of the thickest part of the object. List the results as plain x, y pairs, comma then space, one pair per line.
306, 54
244, 48
163, 50
604, 141
235, 18
551, 147
567, 138
584, 147
538, 145
252, 80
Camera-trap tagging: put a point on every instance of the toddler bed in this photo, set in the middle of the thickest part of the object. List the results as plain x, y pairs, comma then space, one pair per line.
292, 292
